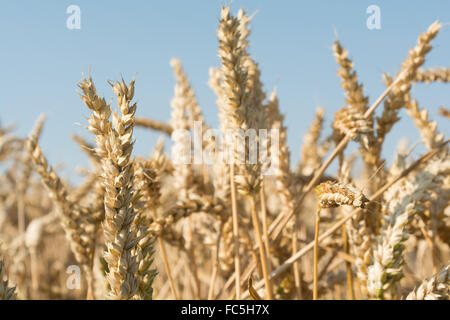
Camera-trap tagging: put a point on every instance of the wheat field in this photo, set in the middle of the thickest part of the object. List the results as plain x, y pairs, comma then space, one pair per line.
166, 227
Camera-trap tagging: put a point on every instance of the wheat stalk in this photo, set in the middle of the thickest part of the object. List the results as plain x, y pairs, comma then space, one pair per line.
154, 125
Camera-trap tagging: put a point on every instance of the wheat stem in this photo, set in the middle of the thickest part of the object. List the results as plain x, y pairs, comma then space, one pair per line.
193, 263
215, 270
168, 270
262, 254
237, 264
295, 266
348, 265
265, 225
316, 255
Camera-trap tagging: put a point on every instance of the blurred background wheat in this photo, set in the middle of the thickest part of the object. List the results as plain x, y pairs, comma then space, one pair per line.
154, 227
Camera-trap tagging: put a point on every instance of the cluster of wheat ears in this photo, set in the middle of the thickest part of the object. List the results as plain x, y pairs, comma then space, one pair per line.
154, 228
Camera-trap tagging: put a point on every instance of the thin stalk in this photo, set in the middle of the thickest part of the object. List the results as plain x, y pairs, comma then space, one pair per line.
237, 264
90, 286
430, 243
340, 254
262, 253
193, 264
348, 265
296, 266
167, 266
434, 249
163, 292
358, 293
265, 225
329, 265
215, 269
227, 285
21, 212
90, 282
337, 291
90, 271
316, 256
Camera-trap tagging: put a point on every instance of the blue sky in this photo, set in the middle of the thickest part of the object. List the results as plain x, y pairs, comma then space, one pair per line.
41, 60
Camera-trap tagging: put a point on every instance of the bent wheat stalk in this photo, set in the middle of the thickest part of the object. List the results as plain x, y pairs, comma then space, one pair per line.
154, 125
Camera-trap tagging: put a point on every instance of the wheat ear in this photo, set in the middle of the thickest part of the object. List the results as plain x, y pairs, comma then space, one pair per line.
435, 288
233, 79
76, 220
404, 201
310, 153
400, 94
432, 75
114, 147
427, 128
351, 120
26, 174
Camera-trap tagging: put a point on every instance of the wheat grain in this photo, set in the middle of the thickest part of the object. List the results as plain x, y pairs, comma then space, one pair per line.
333, 194
311, 155
428, 129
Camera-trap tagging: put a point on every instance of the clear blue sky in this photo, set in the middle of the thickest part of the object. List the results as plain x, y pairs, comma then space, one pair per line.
41, 60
